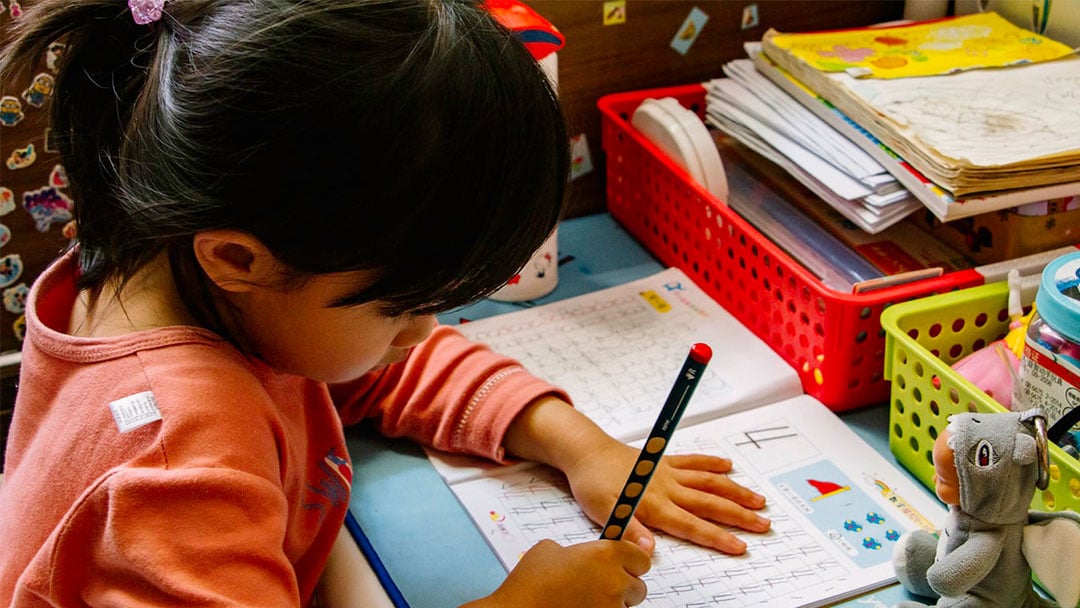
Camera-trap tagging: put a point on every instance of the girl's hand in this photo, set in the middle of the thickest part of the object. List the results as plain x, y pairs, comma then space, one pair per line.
689, 497
596, 574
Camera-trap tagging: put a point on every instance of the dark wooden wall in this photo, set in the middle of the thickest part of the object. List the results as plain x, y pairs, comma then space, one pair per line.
636, 54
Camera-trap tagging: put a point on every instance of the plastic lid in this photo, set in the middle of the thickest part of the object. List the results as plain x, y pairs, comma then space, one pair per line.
1058, 299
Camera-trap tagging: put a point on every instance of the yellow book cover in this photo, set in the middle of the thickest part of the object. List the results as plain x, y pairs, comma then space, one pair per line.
927, 48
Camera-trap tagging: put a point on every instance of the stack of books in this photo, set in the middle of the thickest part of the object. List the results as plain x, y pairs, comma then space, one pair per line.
968, 114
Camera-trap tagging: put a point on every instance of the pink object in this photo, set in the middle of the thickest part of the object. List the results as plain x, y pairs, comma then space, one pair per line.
986, 369
146, 11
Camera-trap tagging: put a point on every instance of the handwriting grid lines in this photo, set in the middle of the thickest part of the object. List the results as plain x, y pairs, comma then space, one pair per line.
777, 569
606, 355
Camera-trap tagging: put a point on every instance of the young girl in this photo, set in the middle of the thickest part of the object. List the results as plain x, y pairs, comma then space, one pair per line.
273, 199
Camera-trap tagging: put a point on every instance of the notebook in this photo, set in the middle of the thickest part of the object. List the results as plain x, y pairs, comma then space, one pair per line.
837, 506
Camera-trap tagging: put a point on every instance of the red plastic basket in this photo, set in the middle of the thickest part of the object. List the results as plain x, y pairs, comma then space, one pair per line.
833, 339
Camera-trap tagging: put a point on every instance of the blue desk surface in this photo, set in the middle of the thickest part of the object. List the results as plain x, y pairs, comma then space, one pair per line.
424, 538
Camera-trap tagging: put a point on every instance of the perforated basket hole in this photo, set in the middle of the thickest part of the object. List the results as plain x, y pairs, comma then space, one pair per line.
981, 319
932, 431
914, 443
934, 408
935, 330
898, 430
916, 394
1074, 487
1048, 499
958, 325
918, 369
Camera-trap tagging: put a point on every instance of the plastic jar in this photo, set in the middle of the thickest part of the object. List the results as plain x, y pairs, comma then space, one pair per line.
1049, 375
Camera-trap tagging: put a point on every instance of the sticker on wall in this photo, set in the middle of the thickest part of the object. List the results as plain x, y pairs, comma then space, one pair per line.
68, 230
750, 17
7, 201
53, 55
16, 10
10, 111
39, 90
615, 12
58, 177
15, 298
22, 157
5, 235
19, 328
11, 268
580, 160
689, 31
48, 206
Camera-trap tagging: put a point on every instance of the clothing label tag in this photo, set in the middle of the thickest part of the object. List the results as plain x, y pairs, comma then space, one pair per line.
134, 411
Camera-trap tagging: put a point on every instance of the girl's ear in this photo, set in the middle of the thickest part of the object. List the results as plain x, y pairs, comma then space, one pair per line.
235, 261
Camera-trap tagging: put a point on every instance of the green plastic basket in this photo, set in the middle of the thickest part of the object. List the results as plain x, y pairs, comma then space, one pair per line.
923, 339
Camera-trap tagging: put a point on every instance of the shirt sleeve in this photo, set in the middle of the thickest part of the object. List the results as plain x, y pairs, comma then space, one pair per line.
450, 393
152, 537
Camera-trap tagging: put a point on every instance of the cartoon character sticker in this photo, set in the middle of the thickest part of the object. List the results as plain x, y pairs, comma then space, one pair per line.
53, 55
11, 112
58, 177
22, 157
15, 298
7, 201
48, 206
5, 235
40, 89
19, 327
11, 268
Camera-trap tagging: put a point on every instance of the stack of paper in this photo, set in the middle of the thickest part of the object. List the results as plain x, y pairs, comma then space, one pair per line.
765, 118
1012, 125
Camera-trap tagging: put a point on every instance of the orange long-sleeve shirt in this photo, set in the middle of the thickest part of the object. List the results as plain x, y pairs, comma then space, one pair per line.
236, 493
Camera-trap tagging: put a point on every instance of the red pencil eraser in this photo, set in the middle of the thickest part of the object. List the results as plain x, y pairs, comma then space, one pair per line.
701, 352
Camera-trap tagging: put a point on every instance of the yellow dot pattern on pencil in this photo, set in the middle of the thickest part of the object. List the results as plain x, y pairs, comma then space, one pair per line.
655, 445
623, 510
633, 489
644, 467
612, 531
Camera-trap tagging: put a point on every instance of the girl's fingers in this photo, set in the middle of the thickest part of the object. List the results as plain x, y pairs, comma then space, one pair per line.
700, 462
719, 486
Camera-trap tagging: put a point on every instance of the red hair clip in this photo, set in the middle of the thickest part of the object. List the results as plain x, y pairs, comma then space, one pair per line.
536, 33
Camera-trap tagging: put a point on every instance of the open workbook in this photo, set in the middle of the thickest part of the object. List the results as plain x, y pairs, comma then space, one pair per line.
837, 506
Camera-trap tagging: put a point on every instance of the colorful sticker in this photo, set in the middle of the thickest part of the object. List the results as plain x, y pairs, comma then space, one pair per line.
5, 235
53, 55
10, 111
48, 206
19, 328
7, 201
16, 10
580, 161
11, 268
750, 17
58, 177
39, 90
22, 157
689, 31
615, 12
69, 230
15, 298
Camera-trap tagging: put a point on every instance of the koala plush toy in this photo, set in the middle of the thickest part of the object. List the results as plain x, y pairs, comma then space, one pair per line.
986, 470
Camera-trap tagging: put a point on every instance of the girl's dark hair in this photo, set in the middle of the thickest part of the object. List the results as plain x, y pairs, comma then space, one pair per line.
414, 138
